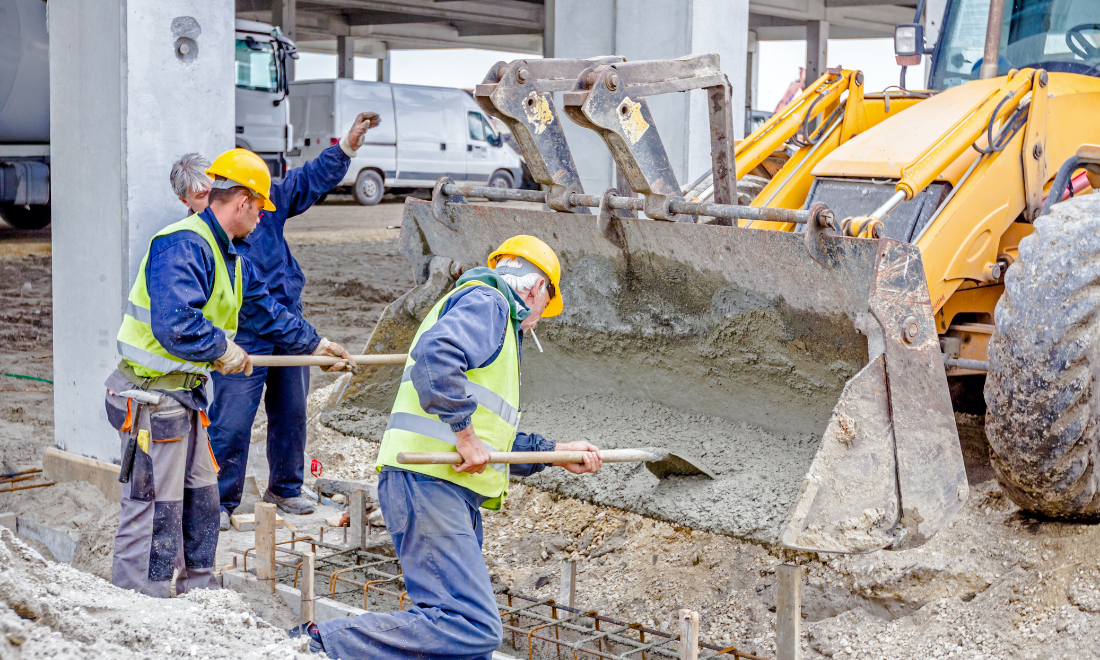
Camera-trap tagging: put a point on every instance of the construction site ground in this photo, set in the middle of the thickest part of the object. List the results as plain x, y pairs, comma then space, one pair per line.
995, 583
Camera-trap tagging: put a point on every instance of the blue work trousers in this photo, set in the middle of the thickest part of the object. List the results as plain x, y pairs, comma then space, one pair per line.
436, 530
236, 400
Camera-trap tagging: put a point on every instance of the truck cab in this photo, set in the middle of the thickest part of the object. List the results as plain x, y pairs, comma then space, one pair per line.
263, 113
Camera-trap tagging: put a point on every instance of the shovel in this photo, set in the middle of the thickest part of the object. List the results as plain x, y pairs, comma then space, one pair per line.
323, 360
660, 462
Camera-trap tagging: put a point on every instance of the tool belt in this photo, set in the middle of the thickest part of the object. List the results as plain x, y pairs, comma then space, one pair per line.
172, 381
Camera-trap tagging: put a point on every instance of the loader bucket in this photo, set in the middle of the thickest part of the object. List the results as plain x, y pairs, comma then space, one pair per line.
815, 391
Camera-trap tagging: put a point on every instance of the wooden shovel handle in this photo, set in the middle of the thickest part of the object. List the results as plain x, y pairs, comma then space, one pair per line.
323, 360
452, 458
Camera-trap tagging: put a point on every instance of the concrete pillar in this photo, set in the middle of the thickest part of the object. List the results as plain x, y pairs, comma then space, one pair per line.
655, 29
126, 102
284, 15
383, 71
345, 57
752, 79
548, 30
817, 49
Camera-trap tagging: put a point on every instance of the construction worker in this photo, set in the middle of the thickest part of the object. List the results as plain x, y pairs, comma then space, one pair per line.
460, 392
180, 322
237, 396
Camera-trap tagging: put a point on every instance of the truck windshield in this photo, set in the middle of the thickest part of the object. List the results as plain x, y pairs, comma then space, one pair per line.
256, 67
1056, 35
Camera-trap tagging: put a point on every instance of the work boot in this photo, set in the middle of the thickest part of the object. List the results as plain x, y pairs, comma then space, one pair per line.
298, 506
309, 630
224, 524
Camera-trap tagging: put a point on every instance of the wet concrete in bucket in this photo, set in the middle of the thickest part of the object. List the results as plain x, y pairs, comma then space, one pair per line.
759, 473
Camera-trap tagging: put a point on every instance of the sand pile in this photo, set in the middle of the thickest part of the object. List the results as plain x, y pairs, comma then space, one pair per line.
49, 609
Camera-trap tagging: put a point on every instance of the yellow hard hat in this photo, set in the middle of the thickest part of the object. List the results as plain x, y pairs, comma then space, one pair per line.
540, 254
244, 168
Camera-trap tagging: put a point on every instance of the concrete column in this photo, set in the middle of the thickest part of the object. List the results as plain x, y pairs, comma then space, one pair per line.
383, 72
548, 30
752, 78
655, 29
345, 57
284, 15
817, 48
126, 102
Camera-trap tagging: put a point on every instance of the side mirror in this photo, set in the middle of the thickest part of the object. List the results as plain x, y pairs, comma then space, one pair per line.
908, 43
496, 140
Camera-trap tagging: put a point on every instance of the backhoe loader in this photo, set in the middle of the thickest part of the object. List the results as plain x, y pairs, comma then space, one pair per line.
805, 337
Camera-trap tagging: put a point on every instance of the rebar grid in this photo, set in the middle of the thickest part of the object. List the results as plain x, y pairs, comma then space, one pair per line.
546, 628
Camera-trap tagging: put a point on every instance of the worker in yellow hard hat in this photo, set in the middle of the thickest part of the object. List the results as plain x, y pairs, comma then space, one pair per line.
180, 323
460, 392
282, 390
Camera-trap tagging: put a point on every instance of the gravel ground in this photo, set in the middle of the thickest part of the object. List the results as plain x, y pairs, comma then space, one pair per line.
994, 584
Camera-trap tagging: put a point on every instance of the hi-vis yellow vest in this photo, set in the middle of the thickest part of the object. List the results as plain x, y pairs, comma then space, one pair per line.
136, 343
496, 388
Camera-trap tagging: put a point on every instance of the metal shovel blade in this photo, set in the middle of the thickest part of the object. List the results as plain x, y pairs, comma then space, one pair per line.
668, 464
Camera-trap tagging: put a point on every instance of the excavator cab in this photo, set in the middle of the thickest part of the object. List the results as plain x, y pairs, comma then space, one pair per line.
1060, 36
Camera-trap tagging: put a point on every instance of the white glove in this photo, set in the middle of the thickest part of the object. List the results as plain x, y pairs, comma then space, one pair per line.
351, 142
333, 349
233, 360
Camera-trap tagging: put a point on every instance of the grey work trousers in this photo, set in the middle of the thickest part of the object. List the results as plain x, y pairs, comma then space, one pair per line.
170, 511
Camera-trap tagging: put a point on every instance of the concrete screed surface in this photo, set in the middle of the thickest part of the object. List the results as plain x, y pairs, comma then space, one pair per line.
995, 583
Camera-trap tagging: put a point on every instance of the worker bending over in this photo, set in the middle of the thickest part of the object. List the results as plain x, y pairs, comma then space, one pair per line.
181, 318
237, 395
460, 391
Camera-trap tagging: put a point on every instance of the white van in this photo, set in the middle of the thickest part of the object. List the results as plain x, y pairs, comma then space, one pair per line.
426, 133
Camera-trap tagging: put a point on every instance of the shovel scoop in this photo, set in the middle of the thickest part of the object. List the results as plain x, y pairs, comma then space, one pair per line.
661, 463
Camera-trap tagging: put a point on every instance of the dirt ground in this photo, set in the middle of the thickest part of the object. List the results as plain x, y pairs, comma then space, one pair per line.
995, 583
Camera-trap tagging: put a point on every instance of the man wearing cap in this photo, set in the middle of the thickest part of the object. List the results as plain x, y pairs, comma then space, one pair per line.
181, 317
460, 392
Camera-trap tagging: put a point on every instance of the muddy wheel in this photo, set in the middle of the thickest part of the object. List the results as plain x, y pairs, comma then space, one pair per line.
1042, 424
368, 188
21, 217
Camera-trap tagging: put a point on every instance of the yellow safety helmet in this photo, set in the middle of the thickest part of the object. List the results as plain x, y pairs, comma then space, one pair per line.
540, 254
246, 169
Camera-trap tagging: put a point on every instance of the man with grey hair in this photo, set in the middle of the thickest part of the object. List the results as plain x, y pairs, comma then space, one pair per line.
237, 396
190, 181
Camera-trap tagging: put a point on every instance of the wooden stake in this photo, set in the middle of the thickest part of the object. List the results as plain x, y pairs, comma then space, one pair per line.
265, 545
788, 613
689, 635
357, 523
308, 565
568, 589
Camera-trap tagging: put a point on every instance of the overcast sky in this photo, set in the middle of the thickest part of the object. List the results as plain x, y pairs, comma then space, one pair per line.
779, 63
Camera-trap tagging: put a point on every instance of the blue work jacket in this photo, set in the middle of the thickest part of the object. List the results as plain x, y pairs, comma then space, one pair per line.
180, 276
469, 335
266, 247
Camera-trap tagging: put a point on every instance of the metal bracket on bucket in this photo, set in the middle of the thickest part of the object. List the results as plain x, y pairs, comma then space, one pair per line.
521, 94
610, 101
821, 218
440, 201
608, 219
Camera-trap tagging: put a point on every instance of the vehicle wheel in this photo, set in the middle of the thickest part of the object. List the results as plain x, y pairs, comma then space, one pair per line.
21, 217
500, 179
1042, 425
368, 188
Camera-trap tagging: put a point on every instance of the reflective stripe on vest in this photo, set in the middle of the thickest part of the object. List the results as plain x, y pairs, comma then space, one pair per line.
496, 389
136, 342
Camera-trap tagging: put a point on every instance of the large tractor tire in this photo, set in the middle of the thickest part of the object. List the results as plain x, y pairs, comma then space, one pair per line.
27, 218
1043, 419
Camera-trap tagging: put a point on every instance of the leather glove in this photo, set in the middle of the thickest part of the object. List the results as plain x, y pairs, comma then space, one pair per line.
233, 360
333, 349
354, 139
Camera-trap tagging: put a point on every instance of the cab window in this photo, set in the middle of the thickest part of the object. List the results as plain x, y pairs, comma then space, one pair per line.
477, 126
